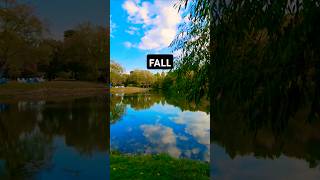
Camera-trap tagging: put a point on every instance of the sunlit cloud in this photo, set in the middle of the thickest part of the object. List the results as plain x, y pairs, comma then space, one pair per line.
159, 19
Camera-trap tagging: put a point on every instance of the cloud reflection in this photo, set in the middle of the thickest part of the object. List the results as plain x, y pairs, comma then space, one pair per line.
197, 124
163, 138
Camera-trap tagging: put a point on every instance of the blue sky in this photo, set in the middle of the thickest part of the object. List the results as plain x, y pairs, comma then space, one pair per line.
61, 15
140, 27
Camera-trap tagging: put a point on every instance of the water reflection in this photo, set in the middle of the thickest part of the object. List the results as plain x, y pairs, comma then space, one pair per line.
245, 148
162, 138
51, 140
154, 123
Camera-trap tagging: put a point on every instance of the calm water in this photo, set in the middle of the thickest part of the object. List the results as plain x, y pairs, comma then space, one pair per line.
279, 149
69, 139
153, 124
54, 140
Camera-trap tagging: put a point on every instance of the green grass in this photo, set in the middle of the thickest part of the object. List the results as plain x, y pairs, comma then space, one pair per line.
50, 90
156, 167
128, 90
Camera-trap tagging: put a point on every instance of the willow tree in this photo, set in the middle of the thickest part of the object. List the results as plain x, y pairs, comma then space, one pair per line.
192, 41
265, 63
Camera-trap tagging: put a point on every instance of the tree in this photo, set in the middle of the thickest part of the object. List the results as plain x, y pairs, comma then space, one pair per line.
266, 65
116, 73
20, 36
82, 55
193, 41
141, 78
84, 52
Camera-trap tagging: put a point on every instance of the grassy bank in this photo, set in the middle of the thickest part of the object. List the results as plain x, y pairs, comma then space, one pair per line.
156, 167
128, 90
52, 90
58, 90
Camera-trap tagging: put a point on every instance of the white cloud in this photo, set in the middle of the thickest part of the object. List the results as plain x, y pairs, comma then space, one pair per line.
132, 30
177, 53
113, 26
139, 13
128, 44
160, 20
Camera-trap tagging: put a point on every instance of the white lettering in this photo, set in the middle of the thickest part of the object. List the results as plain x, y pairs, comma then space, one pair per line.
151, 62
157, 63
168, 64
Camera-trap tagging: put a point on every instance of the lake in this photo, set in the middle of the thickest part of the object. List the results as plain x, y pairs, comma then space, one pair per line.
150, 123
54, 140
263, 149
69, 139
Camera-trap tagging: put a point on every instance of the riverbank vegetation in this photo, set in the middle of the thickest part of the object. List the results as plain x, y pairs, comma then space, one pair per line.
128, 90
156, 167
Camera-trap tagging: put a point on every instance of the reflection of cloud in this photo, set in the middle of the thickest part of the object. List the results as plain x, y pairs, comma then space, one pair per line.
183, 138
165, 109
163, 137
197, 125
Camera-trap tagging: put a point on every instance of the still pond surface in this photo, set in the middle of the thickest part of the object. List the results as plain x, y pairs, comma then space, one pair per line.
152, 124
69, 139
54, 140
245, 147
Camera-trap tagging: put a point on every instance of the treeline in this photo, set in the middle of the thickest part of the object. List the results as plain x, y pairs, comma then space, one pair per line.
137, 78
25, 50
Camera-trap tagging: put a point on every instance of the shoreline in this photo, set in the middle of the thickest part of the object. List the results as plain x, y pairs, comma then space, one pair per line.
50, 90
59, 90
128, 90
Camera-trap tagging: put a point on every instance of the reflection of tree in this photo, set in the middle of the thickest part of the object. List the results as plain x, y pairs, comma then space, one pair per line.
142, 101
136, 101
295, 137
27, 131
24, 149
185, 104
146, 100
82, 122
117, 108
